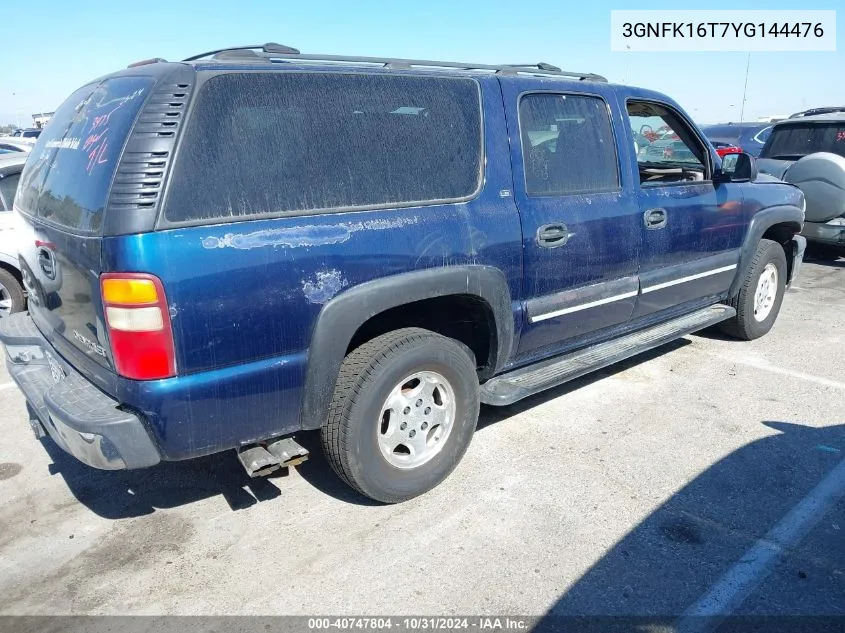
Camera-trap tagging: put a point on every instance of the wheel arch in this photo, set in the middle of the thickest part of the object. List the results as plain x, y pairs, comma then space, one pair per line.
10, 263
343, 316
779, 223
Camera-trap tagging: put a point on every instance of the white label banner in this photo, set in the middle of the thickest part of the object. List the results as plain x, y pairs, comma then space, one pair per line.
723, 30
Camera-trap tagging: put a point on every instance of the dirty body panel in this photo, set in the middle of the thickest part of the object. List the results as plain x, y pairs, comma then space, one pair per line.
244, 296
285, 209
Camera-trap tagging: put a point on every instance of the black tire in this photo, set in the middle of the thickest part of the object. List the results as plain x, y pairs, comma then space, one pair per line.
10, 286
745, 325
367, 377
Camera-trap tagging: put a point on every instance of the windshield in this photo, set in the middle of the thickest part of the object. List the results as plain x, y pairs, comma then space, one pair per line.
791, 142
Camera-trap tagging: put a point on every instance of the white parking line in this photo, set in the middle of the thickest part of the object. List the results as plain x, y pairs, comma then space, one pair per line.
760, 363
7, 385
750, 570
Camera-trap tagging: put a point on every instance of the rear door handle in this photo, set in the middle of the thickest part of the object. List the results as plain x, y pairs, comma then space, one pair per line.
553, 235
655, 218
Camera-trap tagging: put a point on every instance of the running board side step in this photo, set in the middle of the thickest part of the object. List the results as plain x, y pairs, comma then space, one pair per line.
260, 460
526, 381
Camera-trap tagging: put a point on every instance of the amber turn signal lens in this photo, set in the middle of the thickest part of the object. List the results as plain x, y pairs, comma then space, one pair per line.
129, 291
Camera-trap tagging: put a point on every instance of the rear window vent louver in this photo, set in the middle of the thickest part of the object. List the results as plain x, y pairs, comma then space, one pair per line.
137, 183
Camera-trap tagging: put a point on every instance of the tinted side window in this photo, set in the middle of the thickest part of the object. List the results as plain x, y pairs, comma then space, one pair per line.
567, 145
8, 187
275, 143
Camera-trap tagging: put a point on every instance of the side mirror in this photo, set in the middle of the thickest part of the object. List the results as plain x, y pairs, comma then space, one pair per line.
738, 168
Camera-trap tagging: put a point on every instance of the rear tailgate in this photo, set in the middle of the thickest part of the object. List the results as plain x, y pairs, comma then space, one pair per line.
61, 197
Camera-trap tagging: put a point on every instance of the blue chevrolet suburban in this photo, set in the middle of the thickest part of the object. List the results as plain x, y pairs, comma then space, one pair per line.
222, 252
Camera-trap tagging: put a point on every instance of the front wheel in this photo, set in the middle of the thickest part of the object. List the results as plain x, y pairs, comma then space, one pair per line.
403, 414
761, 294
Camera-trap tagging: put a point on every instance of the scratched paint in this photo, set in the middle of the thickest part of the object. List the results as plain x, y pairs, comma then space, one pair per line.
325, 285
308, 235
295, 237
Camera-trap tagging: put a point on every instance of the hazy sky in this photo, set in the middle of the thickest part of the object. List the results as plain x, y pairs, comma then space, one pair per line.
68, 42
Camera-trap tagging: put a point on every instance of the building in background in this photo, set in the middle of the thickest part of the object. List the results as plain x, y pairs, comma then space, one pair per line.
774, 118
41, 119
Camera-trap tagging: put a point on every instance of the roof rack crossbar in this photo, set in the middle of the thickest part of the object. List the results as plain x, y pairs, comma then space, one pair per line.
277, 51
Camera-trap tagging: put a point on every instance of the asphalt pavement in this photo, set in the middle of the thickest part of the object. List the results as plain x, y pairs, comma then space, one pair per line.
704, 477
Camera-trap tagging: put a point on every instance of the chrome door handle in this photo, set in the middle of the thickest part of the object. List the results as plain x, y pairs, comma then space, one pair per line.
553, 235
655, 218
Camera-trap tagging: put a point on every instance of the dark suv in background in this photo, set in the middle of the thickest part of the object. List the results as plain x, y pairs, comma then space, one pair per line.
749, 137
225, 251
27, 133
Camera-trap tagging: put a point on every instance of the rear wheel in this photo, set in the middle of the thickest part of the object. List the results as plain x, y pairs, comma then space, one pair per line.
761, 294
12, 298
403, 414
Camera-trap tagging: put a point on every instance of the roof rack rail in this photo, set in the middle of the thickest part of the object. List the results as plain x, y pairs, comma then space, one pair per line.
144, 62
817, 111
273, 51
270, 47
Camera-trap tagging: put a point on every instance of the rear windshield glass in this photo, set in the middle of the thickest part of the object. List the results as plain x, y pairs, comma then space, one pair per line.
67, 178
792, 141
276, 143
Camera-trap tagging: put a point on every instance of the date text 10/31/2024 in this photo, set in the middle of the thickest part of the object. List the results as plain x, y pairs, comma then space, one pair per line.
421, 623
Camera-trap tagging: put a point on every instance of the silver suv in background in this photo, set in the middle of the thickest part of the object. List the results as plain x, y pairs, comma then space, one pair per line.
809, 151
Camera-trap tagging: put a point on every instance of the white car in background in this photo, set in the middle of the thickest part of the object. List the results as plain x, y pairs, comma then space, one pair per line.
12, 295
12, 145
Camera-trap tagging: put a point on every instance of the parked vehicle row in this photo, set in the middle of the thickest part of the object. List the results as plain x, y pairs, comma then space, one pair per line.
30, 133
261, 243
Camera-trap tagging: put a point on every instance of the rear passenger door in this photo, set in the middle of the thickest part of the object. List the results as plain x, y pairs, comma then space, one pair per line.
580, 226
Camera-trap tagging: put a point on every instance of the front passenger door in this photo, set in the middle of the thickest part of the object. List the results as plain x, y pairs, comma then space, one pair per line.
692, 229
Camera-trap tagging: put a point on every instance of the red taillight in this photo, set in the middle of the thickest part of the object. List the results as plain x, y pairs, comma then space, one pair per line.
139, 325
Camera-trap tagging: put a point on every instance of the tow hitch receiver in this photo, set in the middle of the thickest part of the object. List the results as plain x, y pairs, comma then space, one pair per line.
259, 461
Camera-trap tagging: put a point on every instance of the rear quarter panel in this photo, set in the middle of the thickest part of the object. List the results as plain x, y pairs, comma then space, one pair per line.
244, 296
